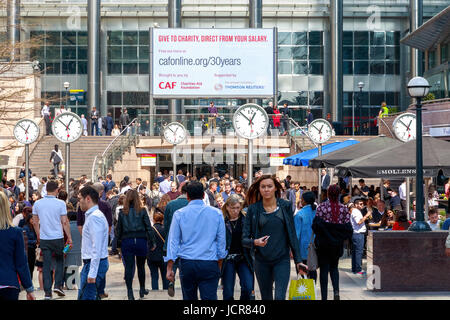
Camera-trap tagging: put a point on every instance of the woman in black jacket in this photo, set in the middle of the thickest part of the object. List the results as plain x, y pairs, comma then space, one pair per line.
134, 229
238, 260
268, 216
331, 226
155, 259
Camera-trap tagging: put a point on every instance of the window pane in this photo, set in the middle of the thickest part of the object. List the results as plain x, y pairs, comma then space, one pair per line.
376, 53
69, 52
396, 68
364, 96
315, 38
390, 53
376, 67
53, 53
376, 98
347, 38
300, 38
53, 68
302, 98
348, 98
143, 68
397, 52
144, 53
377, 38
390, 98
142, 98
144, 38
69, 38
115, 53
130, 68
390, 68
315, 53
82, 67
397, 38
316, 68
347, 67
347, 52
114, 98
361, 53
390, 37
82, 53
300, 53
130, 53
114, 68
53, 38
284, 38
316, 98
82, 38
37, 53
300, 67
361, 67
115, 37
284, 53
284, 67
129, 98
130, 38
361, 38
37, 37
69, 67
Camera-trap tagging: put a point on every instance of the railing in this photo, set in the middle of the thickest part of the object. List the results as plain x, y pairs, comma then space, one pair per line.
115, 150
299, 135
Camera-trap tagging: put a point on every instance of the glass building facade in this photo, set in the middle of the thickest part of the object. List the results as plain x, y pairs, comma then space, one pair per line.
371, 54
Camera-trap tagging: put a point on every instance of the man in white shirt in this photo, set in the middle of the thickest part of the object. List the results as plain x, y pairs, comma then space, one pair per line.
49, 220
402, 195
35, 183
433, 219
45, 112
94, 245
359, 229
164, 186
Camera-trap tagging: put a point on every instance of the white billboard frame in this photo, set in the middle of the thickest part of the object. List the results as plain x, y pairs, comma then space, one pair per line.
273, 95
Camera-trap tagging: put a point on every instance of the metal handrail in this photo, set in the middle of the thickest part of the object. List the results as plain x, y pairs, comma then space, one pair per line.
298, 127
381, 119
112, 146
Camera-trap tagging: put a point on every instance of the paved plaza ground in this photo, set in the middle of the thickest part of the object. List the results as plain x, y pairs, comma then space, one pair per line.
352, 287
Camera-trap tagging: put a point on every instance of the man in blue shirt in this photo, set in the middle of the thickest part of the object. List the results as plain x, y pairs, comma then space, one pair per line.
197, 237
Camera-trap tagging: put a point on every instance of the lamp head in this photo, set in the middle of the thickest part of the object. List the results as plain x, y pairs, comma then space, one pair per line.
418, 87
66, 84
360, 84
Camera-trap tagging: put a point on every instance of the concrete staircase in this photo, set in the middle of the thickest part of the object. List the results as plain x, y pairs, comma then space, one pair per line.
82, 154
303, 143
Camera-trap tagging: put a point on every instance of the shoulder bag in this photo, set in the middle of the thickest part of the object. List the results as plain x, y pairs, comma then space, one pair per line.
312, 260
159, 234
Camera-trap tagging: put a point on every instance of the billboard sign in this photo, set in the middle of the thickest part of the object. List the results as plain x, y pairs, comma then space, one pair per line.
209, 63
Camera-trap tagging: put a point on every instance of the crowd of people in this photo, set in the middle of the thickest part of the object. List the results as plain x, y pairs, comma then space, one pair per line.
211, 228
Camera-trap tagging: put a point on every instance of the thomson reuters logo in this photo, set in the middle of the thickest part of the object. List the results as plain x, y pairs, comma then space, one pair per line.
218, 87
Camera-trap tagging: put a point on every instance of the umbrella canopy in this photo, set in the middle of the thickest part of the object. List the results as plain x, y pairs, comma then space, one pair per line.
399, 161
349, 153
302, 159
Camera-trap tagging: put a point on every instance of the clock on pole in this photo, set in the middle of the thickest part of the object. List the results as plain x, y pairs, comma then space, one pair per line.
174, 133
405, 127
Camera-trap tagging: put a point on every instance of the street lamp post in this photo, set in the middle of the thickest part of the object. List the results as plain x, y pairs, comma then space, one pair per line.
418, 88
66, 86
360, 86
67, 166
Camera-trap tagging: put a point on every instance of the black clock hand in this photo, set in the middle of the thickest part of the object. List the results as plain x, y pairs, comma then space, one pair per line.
407, 128
249, 121
254, 115
320, 131
403, 123
69, 124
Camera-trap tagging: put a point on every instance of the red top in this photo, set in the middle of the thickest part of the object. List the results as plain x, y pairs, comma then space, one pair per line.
398, 226
276, 118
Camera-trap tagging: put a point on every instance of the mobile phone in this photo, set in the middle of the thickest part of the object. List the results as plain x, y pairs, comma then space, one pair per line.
266, 238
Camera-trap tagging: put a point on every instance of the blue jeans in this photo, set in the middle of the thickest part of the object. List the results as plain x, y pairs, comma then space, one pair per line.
94, 127
268, 273
199, 275
246, 279
357, 251
154, 266
90, 291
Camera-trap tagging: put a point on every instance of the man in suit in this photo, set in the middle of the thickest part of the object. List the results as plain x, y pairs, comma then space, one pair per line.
94, 121
325, 180
109, 124
124, 119
285, 118
378, 212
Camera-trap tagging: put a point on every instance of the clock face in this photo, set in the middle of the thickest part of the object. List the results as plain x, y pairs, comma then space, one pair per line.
250, 121
174, 133
26, 131
67, 127
320, 130
405, 127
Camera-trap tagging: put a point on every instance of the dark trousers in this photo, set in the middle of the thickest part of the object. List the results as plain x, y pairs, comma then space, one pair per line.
403, 204
9, 294
328, 263
48, 127
49, 248
31, 260
268, 273
357, 251
94, 126
199, 275
90, 291
108, 132
130, 262
154, 266
246, 279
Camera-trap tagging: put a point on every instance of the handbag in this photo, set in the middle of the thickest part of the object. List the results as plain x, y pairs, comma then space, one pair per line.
302, 289
159, 234
312, 260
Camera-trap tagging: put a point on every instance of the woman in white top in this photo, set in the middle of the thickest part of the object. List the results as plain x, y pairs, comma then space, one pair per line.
56, 158
115, 132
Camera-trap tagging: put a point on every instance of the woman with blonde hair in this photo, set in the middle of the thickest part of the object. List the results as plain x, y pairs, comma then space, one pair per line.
134, 229
238, 260
12, 254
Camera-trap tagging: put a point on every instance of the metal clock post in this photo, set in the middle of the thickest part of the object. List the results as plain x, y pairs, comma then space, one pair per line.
170, 134
26, 131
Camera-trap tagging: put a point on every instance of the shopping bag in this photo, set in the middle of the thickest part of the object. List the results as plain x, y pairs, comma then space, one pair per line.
302, 289
312, 261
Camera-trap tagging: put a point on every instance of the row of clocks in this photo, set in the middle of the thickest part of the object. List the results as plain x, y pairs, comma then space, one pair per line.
66, 127
250, 122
